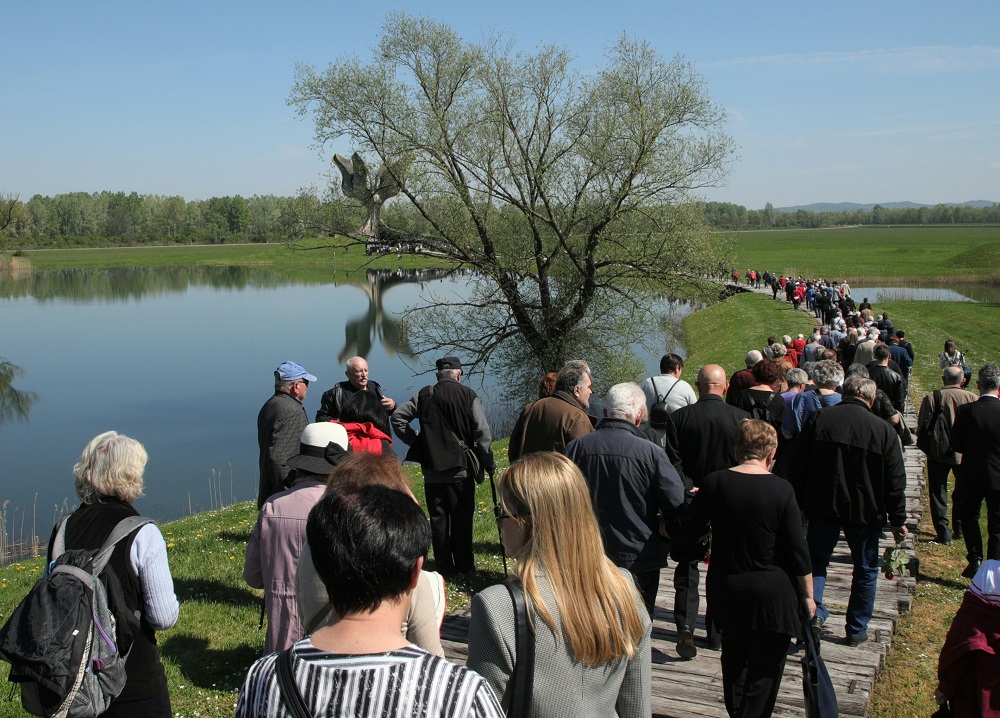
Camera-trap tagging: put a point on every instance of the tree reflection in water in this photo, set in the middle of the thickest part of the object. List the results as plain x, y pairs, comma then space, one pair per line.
14, 403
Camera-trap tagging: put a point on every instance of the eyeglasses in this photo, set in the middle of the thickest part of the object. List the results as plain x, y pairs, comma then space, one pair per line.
499, 514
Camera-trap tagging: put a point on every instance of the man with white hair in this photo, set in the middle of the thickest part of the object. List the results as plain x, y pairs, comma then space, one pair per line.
333, 400
631, 482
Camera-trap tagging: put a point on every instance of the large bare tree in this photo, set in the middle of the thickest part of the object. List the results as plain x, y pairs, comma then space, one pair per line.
567, 192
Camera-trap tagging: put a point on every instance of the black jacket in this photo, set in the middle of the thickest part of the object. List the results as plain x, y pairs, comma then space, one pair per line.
700, 437
891, 383
976, 436
631, 481
848, 467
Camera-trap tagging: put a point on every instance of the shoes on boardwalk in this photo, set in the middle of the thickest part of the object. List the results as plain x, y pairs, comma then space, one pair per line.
855, 641
970, 570
685, 644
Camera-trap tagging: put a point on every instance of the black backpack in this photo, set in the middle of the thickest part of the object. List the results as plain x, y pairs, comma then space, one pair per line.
658, 410
68, 640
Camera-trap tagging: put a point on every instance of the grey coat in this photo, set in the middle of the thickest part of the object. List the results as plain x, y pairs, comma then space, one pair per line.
279, 428
563, 687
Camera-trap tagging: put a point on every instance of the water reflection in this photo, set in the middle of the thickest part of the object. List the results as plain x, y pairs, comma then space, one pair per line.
376, 324
14, 403
988, 293
113, 284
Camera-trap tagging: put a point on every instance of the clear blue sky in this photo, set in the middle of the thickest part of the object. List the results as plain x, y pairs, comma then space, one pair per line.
839, 102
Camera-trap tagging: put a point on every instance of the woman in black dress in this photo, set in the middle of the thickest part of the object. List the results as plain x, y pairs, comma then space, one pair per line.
759, 579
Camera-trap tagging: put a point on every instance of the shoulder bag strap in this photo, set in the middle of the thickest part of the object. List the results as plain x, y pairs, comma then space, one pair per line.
290, 695
522, 679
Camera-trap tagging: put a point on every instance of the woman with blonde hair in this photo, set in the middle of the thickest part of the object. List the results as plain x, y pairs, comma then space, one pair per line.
587, 620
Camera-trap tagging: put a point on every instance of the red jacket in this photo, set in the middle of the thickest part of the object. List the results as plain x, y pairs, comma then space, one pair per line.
365, 437
969, 665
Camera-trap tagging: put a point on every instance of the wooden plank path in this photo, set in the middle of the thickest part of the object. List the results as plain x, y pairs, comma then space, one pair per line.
694, 687
682, 688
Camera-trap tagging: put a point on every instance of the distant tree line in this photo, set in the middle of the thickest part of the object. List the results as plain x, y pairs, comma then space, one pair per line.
724, 215
81, 219
117, 218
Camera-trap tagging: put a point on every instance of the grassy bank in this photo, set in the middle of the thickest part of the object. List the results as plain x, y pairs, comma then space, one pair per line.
308, 259
909, 254
723, 333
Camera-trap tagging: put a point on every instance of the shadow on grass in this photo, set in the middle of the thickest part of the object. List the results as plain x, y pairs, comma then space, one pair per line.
940, 581
236, 536
213, 669
200, 589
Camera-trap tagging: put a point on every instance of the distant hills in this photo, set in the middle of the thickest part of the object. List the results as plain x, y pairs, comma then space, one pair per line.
854, 206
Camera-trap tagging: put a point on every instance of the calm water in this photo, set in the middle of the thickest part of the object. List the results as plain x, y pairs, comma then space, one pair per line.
960, 293
182, 359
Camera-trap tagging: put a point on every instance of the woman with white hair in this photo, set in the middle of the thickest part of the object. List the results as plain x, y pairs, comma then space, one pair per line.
109, 477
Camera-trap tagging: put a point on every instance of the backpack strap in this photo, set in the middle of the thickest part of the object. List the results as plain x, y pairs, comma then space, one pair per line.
290, 696
124, 527
659, 399
59, 541
522, 679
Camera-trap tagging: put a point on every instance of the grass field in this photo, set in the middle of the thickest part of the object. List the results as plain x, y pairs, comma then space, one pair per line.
309, 259
904, 253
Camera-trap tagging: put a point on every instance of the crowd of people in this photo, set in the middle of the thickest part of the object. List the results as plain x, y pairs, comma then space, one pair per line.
763, 469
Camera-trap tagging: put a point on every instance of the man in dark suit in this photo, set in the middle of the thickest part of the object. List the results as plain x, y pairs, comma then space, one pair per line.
699, 440
976, 435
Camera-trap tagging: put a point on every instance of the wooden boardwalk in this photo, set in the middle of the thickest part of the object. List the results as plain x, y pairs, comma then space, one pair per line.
682, 688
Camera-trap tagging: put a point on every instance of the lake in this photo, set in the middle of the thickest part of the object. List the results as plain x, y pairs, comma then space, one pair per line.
182, 359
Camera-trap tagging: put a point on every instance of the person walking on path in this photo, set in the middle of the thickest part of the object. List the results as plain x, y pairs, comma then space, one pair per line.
976, 436
942, 460
848, 475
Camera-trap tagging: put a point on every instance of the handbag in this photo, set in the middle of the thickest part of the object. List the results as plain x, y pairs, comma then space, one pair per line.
290, 695
817, 687
520, 685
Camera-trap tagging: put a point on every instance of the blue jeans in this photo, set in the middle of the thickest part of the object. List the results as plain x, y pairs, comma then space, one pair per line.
822, 538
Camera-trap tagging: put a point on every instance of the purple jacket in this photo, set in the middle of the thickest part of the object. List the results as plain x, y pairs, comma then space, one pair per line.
273, 557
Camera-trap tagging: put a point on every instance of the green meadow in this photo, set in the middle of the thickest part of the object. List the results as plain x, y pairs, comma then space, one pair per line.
911, 254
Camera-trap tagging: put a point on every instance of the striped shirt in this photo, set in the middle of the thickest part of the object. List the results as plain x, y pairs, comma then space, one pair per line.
407, 682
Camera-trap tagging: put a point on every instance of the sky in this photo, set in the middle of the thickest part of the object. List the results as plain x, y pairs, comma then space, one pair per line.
834, 102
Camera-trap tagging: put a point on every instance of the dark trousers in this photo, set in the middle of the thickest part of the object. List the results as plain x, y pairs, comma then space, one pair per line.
752, 664
451, 506
937, 487
972, 496
648, 583
686, 599
157, 706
